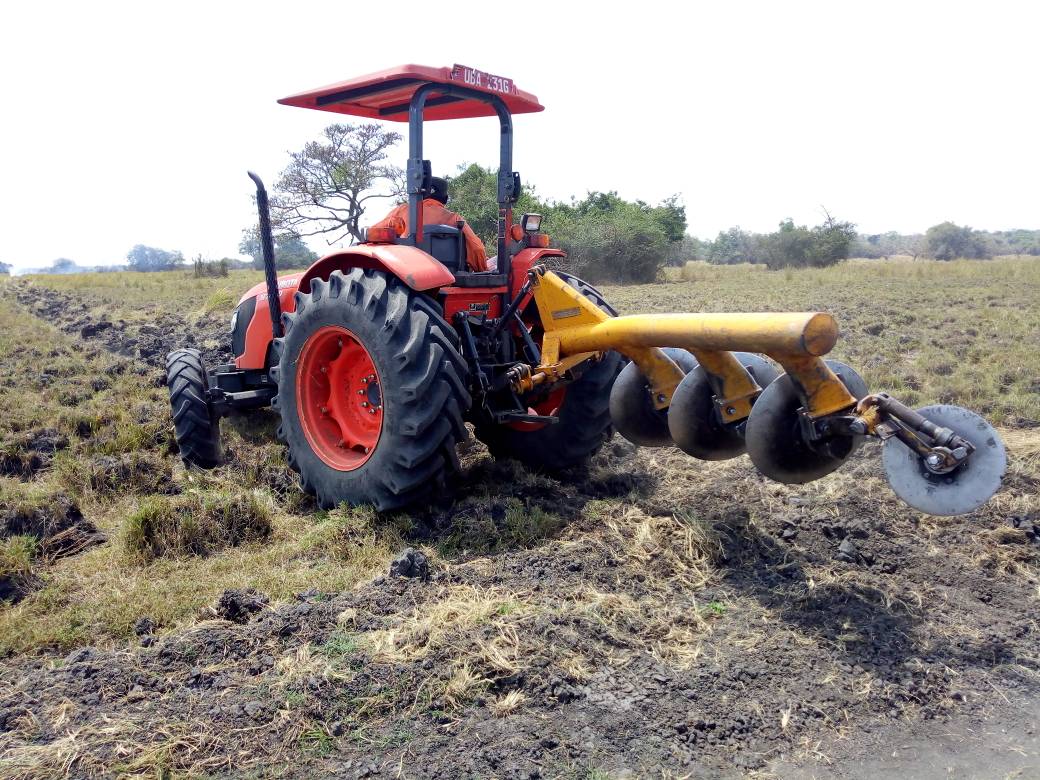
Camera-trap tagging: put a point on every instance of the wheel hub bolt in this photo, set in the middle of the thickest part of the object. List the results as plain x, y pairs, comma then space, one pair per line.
934, 460
324, 410
364, 404
364, 380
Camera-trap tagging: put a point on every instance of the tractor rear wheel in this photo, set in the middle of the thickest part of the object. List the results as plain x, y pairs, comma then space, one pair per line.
583, 409
196, 428
371, 392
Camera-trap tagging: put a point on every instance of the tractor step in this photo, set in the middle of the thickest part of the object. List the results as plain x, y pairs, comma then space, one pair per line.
510, 417
223, 402
231, 388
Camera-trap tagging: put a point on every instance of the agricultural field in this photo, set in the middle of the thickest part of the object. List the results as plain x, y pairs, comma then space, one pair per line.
653, 616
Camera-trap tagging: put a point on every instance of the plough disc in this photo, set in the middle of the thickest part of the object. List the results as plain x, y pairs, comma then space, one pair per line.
964, 489
693, 421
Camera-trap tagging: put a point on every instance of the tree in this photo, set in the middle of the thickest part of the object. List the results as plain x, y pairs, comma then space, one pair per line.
732, 246
5, 268
799, 246
289, 250
473, 194
609, 239
946, 241
1016, 242
689, 248
149, 258
326, 186
64, 266
831, 241
670, 214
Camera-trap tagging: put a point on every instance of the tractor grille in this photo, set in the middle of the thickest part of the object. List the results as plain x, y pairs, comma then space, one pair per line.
243, 316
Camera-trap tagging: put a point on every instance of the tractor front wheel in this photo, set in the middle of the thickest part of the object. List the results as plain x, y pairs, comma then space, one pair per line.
371, 392
196, 428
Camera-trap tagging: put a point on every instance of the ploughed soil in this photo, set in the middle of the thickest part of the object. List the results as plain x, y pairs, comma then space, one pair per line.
145, 340
671, 619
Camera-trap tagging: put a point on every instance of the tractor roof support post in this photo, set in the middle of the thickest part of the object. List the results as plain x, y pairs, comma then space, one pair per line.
418, 171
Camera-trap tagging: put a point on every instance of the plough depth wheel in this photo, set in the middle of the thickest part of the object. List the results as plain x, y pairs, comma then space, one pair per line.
933, 488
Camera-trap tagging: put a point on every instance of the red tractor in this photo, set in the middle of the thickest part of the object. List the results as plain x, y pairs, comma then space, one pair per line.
378, 355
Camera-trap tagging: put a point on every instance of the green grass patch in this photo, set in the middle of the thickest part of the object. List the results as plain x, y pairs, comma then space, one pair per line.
195, 524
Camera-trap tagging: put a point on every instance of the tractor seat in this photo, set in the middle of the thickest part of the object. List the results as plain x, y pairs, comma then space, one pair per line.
447, 245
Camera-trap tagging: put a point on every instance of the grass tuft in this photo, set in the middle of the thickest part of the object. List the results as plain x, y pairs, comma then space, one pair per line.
195, 524
220, 301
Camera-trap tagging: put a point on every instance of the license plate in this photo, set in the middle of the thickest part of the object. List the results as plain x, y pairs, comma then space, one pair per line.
472, 77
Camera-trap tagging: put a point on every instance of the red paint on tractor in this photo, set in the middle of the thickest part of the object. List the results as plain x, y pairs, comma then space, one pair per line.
412, 266
524, 261
472, 300
384, 95
549, 407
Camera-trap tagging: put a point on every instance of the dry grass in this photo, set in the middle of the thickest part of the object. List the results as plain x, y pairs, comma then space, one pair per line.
507, 704
439, 621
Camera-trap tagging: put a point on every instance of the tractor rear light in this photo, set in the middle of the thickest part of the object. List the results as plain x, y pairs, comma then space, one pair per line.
380, 235
531, 222
516, 233
539, 240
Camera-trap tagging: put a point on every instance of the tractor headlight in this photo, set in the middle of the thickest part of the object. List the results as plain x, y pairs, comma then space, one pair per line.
234, 321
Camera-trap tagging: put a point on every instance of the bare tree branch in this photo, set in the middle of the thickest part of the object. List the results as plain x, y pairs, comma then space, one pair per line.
326, 185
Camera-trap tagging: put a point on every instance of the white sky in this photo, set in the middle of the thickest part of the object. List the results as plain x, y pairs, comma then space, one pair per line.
135, 123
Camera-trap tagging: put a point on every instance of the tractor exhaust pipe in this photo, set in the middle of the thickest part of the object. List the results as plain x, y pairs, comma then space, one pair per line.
274, 303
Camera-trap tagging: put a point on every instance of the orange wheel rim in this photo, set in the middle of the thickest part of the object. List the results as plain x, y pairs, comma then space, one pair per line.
339, 401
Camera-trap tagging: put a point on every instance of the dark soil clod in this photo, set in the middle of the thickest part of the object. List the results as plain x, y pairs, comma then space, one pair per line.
31, 452
847, 551
239, 605
411, 563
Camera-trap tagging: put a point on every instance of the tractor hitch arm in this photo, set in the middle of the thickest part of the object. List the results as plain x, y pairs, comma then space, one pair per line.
940, 448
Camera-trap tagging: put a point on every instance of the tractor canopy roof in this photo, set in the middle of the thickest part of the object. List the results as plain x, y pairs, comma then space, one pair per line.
386, 94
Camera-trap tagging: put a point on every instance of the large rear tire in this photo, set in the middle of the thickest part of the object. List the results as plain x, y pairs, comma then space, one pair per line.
584, 414
371, 392
196, 428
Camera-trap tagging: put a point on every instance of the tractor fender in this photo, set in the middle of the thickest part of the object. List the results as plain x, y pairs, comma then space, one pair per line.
524, 260
412, 266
